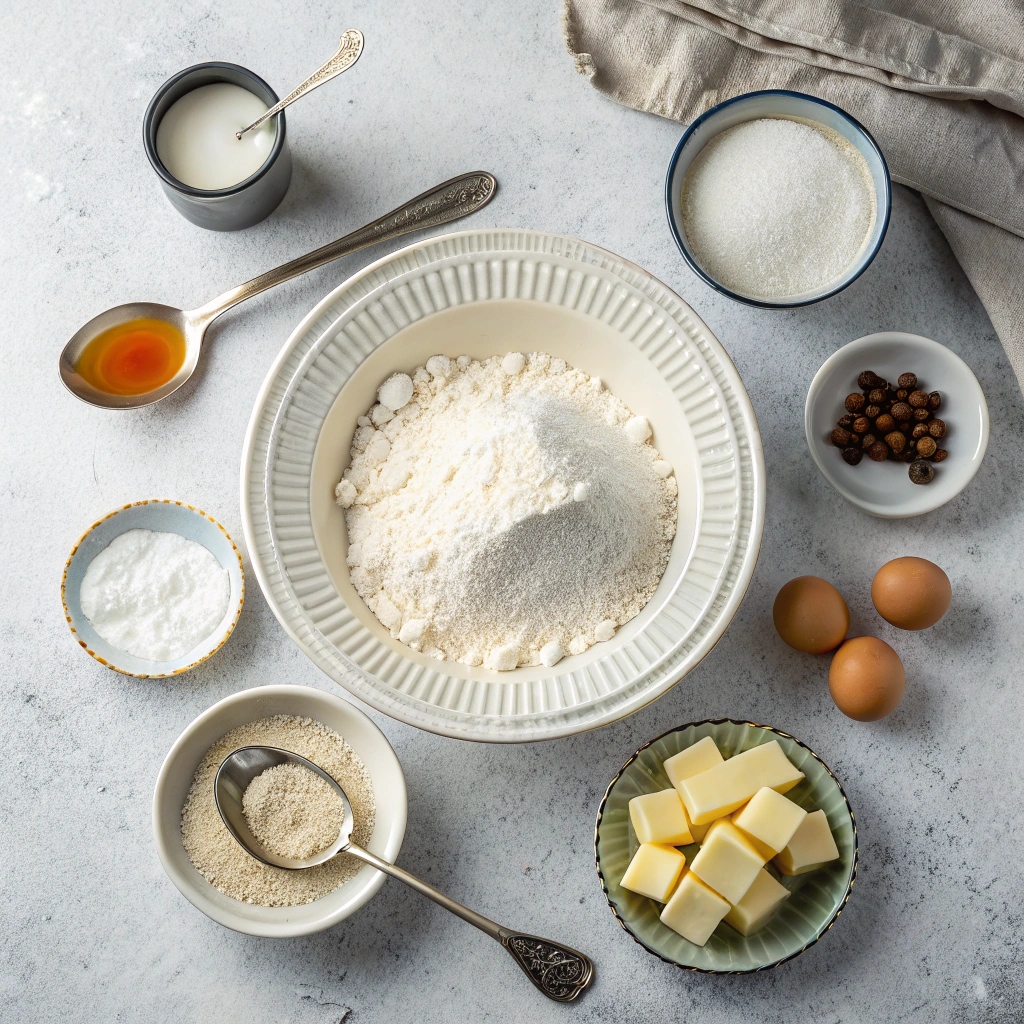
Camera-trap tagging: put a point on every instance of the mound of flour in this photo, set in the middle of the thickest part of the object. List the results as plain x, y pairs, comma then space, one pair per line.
505, 512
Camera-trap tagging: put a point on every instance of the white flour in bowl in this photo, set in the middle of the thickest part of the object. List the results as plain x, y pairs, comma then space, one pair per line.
505, 512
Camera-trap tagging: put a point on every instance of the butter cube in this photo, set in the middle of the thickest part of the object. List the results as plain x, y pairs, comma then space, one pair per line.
654, 871
727, 862
771, 818
661, 818
727, 786
812, 846
759, 902
766, 852
695, 759
694, 910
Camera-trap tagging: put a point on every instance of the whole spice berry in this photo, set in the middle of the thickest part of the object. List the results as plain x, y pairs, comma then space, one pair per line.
921, 472
901, 394
871, 411
867, 441
926, 447
869, 379
878, 452
852, 455
922, 414
861, 425
840, 437
885, 423
907, 381
920, 429
847, 421
896, 441
901, 411
918, 399
876, 396
855, 402
934, 401
937, 428
940, 455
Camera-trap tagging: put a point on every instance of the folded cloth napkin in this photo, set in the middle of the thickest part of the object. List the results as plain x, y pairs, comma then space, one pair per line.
939, 83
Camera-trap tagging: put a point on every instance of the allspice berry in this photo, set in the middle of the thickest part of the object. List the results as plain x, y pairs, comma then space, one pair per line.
934, 401
908, 381
921, 415
861, 425
879, 451
853, 455
901, 411
896, 441
839, 437
867, 441
921, 472
855, 402
920, 429
871, 411
940, 455
926, 447
918, 399
884, 423
937, 428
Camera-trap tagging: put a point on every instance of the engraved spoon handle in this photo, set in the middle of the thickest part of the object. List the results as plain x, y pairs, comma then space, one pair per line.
449, 201
560, 972
348, 53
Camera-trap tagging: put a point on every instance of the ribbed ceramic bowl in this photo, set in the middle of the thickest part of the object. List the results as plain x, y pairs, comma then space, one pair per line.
485, 293
162, 516
818, 897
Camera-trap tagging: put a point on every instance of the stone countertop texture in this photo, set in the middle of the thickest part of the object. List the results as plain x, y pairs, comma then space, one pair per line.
93, 930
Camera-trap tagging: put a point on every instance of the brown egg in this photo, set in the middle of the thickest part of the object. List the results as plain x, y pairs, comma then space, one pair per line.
911, 593
866, 679
811, 615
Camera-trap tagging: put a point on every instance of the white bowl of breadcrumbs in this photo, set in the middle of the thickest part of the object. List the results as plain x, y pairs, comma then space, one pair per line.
219, 878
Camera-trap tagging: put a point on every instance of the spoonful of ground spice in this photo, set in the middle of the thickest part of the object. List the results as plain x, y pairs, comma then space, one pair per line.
283, 810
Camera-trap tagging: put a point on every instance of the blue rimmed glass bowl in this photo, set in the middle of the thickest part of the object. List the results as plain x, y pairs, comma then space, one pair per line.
817, 897
793, 106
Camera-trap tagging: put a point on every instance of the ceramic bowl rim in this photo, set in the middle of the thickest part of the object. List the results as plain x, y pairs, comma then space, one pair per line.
706, 970
106, 663
866, 258
395, 839
814, 394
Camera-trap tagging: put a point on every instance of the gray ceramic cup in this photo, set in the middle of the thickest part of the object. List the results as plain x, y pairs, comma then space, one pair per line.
226, 209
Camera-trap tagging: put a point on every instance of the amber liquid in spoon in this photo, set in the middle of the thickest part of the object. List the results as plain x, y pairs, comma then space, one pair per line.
133, 358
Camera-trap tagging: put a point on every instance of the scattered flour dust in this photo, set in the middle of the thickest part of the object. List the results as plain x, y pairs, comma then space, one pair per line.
225, 865
505, 512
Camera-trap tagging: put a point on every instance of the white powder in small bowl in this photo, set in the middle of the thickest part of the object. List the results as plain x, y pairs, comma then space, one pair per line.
155, 595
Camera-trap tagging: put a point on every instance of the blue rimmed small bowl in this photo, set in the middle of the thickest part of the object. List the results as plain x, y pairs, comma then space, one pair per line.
792, 106
162, 516
817, 897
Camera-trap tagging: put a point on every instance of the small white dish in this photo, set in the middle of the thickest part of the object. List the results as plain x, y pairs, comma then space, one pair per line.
179, 767
884, 489
161, 516
486, 293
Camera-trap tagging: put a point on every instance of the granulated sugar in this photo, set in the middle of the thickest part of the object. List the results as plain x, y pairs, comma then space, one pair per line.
218, 857
292, 811
509, 512
774, 208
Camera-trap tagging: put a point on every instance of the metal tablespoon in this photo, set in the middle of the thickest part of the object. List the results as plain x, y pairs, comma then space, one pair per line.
347, 54
449, 201
560, 972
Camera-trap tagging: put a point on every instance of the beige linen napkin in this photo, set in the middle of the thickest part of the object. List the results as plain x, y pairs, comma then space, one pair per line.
939, 83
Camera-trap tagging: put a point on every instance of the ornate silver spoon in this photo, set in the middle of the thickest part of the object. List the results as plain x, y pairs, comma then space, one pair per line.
348, 53
560, 972
449, 201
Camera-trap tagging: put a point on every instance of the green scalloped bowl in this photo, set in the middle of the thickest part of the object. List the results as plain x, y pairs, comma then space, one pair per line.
818, 897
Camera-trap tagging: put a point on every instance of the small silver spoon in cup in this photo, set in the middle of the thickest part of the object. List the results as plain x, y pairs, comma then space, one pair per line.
560, 972
451, 200
346, 55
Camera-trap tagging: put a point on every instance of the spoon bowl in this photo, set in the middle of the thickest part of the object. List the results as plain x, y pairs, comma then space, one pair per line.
237, 770
191, 328
443, 204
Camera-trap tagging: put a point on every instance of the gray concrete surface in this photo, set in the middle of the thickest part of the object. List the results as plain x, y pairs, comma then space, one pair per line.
92, 929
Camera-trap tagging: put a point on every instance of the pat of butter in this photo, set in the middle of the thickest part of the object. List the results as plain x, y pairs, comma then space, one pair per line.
727, 862
771, 818
660, 818
654, 871
766, 852
695, 759
725, 787
694, 910
812, 846
759, 902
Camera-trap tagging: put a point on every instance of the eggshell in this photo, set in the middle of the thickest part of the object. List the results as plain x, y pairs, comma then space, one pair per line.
866, 679
911, 593
811, 615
